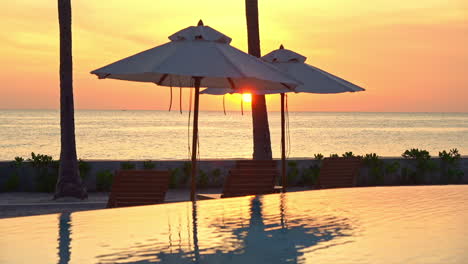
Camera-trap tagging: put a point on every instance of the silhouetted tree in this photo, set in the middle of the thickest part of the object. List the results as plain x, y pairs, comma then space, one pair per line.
69, 181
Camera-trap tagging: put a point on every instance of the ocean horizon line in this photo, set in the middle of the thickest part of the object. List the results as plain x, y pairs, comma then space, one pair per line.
236, 111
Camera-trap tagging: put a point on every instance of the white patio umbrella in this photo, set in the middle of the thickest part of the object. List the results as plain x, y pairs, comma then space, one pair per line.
314, 80
198, 56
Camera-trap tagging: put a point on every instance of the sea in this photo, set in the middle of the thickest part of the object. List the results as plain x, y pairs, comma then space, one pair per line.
163, 135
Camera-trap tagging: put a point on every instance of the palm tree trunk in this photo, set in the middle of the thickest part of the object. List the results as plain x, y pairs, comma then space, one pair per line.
69, 181
261, 131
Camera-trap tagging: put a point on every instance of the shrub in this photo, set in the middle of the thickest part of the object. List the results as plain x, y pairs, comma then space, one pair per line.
451, 157
187, 170
415, 153
310, 175
450, 167
47, 182
18, 162
423, 165
318, 156
202, 180
392, 167
216, 176
334, 155
173, 175
293, 172
40, 160
46, 171
378, 169
104, 180
84, 168
127, 165
148, 165
12, 183
348, 155
371, 159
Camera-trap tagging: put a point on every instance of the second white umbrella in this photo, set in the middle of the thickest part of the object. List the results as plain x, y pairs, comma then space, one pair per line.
313, 79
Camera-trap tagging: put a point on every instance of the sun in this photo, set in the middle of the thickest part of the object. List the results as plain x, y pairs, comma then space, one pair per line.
247, 97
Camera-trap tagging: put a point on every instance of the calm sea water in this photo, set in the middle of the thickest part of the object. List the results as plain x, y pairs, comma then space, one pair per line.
417, 225
164, 135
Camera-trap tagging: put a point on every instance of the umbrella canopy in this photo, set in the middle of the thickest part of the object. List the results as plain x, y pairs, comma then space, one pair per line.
314, 80
198, 56
198, 51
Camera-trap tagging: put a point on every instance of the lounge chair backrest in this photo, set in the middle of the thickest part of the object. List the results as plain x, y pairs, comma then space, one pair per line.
339, 172
138, 187
265, 164
250, 177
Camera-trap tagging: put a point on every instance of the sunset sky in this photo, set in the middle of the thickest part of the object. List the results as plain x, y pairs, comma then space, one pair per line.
409, 55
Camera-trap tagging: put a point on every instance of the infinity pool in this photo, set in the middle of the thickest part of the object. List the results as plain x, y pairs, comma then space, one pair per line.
357, 225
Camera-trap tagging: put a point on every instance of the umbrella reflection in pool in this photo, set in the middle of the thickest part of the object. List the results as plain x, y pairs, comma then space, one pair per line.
264, 238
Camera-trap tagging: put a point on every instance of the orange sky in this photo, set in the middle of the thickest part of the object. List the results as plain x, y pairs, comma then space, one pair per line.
409, 55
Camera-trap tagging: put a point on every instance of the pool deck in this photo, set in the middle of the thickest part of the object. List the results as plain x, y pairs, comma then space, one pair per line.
15, 204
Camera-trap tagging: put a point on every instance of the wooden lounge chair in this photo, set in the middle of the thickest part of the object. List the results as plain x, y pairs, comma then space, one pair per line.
138, 187
251, 177
339, 172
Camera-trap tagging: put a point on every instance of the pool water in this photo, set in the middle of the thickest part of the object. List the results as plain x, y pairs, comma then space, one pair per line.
425, 224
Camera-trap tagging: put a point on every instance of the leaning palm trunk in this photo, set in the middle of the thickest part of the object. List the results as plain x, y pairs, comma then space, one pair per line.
261, 131
69, 181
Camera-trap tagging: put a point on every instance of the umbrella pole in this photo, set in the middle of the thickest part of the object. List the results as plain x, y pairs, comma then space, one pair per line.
283, 146
195, 138
196, 249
